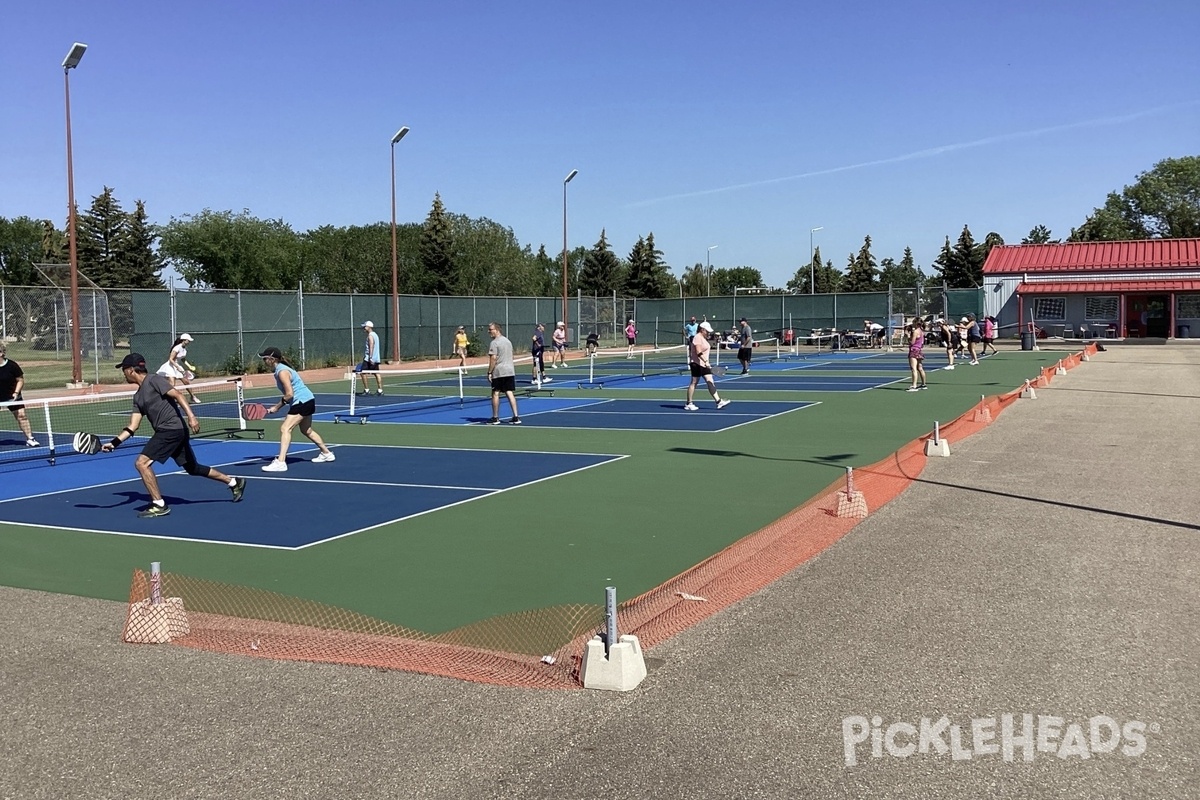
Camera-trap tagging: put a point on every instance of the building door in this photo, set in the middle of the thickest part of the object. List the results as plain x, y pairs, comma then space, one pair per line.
1146, 315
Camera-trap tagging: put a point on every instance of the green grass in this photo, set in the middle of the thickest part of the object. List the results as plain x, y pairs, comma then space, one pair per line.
678, 498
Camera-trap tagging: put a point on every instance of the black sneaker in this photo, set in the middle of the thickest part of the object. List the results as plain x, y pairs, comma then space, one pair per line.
153, 510
515, 421
494, 421
238, 489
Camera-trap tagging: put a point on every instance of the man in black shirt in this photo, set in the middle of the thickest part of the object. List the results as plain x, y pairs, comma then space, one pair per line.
12, 379
160, 403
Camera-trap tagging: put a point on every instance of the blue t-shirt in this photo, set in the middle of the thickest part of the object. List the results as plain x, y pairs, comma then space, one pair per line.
690, 329
300, 392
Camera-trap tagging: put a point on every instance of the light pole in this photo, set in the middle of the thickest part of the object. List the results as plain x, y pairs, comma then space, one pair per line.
395, 271
69, 63
566, 180
708, 268
812, 270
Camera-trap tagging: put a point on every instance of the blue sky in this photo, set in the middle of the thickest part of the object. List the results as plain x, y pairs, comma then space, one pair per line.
739, 125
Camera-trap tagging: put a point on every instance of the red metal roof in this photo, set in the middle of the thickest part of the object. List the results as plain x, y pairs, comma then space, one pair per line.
1108, 287
1094, 256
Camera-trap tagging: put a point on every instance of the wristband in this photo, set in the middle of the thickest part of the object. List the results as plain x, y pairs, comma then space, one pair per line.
127, 431
116, 442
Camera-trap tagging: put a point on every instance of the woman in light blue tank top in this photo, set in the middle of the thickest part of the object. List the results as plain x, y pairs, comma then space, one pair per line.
302, 404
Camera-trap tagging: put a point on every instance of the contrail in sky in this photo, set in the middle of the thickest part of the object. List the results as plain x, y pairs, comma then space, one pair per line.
929, 153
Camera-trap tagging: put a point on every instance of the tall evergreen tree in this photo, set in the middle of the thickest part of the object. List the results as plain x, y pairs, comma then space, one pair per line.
1039, 234
982, 249
862, 271
648, 275
437, 251
601, 271
964, 270
943, 265
100, 229
139, 263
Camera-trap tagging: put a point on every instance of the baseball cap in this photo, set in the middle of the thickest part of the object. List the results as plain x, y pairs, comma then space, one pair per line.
187, 337
461, 328
562, 324
964, 319
132, 360
367, 324
743, 319
271, 352
704, 326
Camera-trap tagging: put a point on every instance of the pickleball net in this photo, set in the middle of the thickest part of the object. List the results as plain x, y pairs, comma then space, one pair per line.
413, 391
55, 420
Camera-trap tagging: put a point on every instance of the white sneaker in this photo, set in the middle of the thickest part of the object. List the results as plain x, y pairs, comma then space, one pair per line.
974, 363
547, 380
276, 466
951, 366
913, 389
723, 403
324, 457
31, 442
691, 407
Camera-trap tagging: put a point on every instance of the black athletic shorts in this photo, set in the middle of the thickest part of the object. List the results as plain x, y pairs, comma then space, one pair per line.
174, 443
305, 409
505, 383
699, 371
16, 399
745, 353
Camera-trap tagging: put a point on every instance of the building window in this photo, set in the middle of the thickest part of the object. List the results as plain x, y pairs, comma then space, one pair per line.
1102, 307
1187, 306
1050, 308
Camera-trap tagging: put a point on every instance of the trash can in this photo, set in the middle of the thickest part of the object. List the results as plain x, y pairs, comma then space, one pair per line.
1027, 340
1183, 331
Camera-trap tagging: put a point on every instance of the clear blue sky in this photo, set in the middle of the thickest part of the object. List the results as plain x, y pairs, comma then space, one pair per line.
740, 125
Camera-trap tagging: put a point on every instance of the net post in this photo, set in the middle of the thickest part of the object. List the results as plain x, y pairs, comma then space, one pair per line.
851, 503
155, 583
353, 392
937, 446
611, 662
461, 396
241, 401
49, 431
610, 619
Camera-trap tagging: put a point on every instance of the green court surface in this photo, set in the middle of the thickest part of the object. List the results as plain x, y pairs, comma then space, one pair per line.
677, 498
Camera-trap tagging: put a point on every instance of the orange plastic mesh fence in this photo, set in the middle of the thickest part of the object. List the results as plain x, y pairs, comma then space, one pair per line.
540, 648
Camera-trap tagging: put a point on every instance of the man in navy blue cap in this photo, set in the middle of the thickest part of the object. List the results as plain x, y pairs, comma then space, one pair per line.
165, 408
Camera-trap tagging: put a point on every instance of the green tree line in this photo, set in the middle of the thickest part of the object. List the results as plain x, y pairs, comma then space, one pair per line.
453, 254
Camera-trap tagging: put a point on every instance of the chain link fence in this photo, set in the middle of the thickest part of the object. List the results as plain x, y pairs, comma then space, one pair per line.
324, 330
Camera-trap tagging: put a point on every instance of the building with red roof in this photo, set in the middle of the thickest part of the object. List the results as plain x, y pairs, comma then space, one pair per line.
1144, 288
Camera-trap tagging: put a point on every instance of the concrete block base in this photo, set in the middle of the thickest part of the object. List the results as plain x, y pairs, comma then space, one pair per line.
941, 447
1028, 393
156, 624
852, 505
622, 671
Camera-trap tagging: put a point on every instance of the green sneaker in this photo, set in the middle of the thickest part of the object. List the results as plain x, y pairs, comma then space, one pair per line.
154, 511
238, 489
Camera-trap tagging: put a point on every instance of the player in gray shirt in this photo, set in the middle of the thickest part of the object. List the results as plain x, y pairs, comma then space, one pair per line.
502, 373
158, 402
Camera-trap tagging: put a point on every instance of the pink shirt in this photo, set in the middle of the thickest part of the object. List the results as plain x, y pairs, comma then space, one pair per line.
698, 350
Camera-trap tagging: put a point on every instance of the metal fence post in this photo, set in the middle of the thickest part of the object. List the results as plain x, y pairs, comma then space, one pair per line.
300, 321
